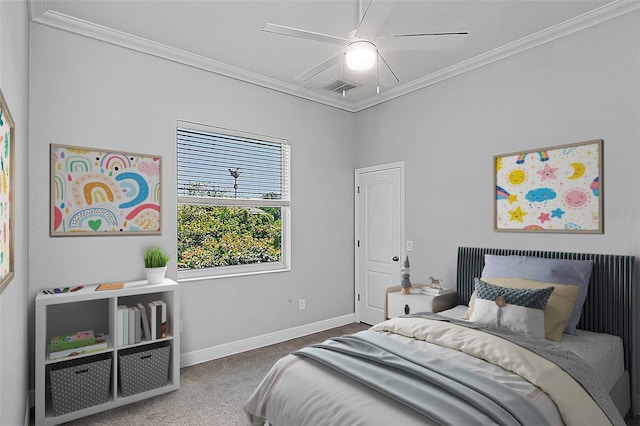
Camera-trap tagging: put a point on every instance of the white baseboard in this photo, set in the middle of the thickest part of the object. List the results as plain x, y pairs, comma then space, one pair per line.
226, 349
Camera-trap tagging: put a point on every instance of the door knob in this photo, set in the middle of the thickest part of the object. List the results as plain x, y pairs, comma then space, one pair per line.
396, 258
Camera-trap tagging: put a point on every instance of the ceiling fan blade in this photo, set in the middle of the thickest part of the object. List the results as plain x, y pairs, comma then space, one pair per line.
309, 35
373, 18
425, 34
388, 67
309, 74
444, 40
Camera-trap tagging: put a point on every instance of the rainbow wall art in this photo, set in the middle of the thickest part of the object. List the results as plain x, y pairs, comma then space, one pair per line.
556, 189
100, 192
6, 194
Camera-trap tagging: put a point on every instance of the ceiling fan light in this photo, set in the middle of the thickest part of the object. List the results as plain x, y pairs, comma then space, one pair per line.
361, 55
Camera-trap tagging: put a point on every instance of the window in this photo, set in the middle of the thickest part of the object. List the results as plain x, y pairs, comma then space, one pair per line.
233, 202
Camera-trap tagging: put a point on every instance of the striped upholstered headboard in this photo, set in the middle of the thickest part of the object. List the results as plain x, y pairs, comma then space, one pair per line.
609, 304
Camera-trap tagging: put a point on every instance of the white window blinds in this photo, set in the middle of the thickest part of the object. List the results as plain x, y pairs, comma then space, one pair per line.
218, 164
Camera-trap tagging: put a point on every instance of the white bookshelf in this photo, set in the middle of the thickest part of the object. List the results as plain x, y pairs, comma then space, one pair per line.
87, 309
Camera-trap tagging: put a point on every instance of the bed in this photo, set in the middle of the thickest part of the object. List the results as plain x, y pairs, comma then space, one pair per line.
405, 370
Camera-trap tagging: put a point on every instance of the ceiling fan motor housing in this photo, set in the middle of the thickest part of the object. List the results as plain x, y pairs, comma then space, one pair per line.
361, 55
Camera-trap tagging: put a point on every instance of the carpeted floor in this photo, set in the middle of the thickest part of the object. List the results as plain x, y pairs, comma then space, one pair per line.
211, 393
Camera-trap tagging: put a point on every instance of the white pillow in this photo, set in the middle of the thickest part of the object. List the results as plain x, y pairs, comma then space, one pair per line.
516, 318
518, 309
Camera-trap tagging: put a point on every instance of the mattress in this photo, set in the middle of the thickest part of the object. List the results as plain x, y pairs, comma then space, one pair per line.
601, 351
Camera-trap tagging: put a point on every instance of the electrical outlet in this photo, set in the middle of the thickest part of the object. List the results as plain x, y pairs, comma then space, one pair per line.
409, 245
302, 304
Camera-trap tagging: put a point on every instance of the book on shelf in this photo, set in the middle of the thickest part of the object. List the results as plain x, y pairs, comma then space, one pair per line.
158, 309
435, 291
145, 322
72, 340
163, 318
125, 326
101, 342
151, 311
132, 326
138, 324
120, 325
110, 286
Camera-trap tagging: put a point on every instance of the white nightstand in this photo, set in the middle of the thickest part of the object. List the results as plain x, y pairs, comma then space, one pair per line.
397, 304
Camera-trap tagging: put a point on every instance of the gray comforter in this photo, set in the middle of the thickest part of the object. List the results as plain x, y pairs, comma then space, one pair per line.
440, 390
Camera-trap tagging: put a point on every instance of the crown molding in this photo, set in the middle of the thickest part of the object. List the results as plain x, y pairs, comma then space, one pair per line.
579, 23
41, 15
36, 8
118, 38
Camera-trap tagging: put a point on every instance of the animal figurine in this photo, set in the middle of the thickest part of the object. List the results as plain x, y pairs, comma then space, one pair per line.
435, 283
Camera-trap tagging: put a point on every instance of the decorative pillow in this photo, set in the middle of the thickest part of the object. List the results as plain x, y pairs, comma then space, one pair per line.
518, 309
558, 309
558, 271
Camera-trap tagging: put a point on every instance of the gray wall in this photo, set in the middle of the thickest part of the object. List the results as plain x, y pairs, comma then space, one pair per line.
14, 336
581, 87
89, 93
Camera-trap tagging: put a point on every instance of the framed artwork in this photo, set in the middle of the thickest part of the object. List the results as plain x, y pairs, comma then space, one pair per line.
556, 189
101, 192
7, 142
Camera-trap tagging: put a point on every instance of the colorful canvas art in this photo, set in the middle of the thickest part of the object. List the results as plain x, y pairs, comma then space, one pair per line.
556, 189
101, 192
6, 193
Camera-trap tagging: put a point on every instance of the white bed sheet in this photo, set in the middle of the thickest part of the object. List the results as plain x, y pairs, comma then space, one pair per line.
601, 351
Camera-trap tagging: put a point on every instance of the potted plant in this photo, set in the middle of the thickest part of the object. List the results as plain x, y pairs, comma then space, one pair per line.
155, 264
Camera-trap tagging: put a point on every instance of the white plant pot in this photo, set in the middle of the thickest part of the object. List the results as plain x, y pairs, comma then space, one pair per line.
155, 275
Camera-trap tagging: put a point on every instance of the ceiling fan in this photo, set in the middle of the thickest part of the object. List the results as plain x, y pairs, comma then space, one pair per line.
361, 47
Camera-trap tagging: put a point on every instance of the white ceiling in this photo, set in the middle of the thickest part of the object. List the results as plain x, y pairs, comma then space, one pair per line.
226, 37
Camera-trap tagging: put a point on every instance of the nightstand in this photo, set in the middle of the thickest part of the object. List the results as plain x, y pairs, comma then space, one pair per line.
415, 302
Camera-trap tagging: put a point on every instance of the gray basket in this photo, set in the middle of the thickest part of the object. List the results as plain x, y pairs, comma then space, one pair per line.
144, 367
80, 383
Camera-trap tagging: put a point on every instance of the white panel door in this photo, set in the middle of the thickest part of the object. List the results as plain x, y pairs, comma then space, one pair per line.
379, 235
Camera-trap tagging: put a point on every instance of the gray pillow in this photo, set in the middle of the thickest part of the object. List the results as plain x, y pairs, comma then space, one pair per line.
535, 298
556, 271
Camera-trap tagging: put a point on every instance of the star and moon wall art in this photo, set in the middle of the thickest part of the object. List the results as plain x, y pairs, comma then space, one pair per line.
102, 192
557, 189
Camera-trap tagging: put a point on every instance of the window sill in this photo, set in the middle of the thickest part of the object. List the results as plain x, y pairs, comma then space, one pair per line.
208, 274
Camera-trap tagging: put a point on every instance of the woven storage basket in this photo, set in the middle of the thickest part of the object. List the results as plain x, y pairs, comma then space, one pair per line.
144, 368
80, 383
